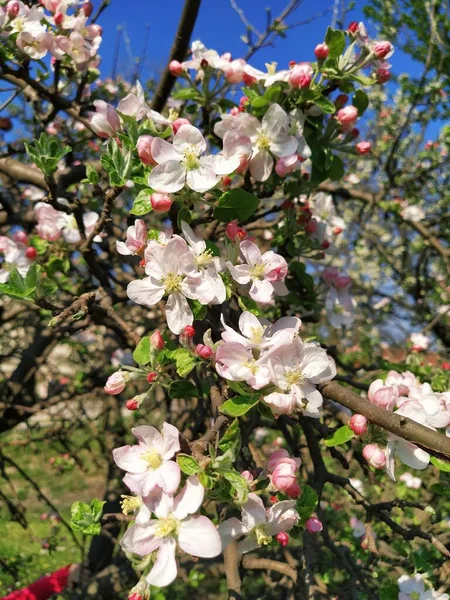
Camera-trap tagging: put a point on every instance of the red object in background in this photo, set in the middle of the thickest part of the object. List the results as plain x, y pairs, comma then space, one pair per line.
43, 588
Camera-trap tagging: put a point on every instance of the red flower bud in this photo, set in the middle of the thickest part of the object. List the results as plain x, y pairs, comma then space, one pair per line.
248, 79
31, 253
363, 148
175, 68
358, 424
382, 49
88, 7
157, 341
151, 377
341, 100
353, 27
189, 331
321, 51
160, 202
204, 351
132, 404
282, 538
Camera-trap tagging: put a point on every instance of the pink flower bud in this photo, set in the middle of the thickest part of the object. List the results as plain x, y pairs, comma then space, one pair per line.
157, 341
382, 49
321, 51
301, 75
284, 475
132, 404
160, 202
247, 476
363, 148
353, 27
96, 29
115, 383
189, 331
235, 111
20, 237
233, 231
346, 117
275, 458
175, 68
311, 226
105, 122
282, 538
354, 132
151, 377
87, 9
178, 123
234, 73
249, 80
12, 9
374, 456
382, 75
358, 424
31, 253
342, 281
341, 100
293, 492
314, 525
383, 396
204, 351
144, 149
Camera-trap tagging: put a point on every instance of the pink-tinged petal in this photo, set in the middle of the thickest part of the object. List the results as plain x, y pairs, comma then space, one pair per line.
240, 273
169, 475
250, 252
281, 404
164, 571
144, 514
249, 324
150, 436
171, 444
313, 362
168, 177
230, 335
261, 291
411, 455
390, 462
231, 529
147, 291
215, 281
189, 138
141, 483
140, 539
189, 500
201, 179
261, 166
308, 390
197, 288
281, 517
122, 248
253, 512
178, 313
199, 537
129, 459
163, 152
248, 544
171, 254
285, 147
233, 353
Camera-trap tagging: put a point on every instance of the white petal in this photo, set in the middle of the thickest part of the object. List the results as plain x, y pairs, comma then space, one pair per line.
150, 436
189, 138
164, 571
201, 179
168, 177
189, 499
261, 166
140, 539
411, 455
178, 313
230, 530
171, 444
147, 291
261, 291
162, 151
253, 512
199, 537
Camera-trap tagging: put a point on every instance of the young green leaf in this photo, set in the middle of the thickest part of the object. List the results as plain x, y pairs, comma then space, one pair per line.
340, 436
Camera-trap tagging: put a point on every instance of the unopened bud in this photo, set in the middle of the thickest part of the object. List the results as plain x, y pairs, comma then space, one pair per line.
132, 404
88, 7
358, 424
363, 148
160, 202
151, 377
178, 123
31, 253
204, 351
12, 9
282, 538
144, 149
157, 341
321, 51
175, 68
314, 525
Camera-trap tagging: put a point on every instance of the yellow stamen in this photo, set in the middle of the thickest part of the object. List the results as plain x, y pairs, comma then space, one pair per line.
130, 503
263, 142
167, 526
261, 537
153, 459
172, 283
257, 271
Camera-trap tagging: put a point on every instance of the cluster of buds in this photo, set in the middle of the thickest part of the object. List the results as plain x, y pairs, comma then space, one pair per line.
283, 473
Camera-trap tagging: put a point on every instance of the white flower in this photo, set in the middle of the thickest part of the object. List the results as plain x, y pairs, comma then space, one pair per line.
413, 213
324, 213
258, 525
413, 588
182, 163
14, 258
259, 333
166, 276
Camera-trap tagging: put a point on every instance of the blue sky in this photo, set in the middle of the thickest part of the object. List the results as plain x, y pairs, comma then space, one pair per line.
219, 27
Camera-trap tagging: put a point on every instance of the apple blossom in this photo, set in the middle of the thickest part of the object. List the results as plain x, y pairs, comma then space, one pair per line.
173, 524
413, 588
374, 456
234, 232
266, 272
115, 383
236, 363
161, 202
284, 476
144, 149
148, 464
14, 258
167, 276
363, 147
275, 458
383, 50
382, 395
358, 424
314, 525
136, 239
259, 333
258, 525
321, 51
105, 122
346, 117
295, 369
176, 68
301, 75
419, 341
282, 538
410, 481
157, 341
53, 223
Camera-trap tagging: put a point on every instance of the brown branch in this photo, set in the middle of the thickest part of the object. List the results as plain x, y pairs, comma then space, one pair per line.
178, 52
431, 441
253, 562
231, 564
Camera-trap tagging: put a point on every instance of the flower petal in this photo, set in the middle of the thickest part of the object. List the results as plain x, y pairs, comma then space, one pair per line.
168, 177
189, 500
171, 444
164, 571
201, 179
178, 313
198, 536
140, 539
147, 291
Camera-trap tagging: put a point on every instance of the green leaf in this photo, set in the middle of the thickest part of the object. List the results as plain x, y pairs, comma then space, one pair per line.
141, 204
184, 215
46, 152
259, 102
363, 79
188, 464
307, 503
340, 436
239, 486
142, 352
248, 304
336, 169
212, 248
236, 204
265, 411
183, 389
360, 101
236, 407
325, 105
231, 440
184, 361
440, 464
199, 310
335, 40
187, 94
92, 175
86, 518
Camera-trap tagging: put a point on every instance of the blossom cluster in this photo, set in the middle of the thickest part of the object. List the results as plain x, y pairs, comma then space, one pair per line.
404, 394
16, 255
66, 35
273, 358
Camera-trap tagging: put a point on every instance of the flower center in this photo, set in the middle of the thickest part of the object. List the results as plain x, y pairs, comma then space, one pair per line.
130, 503
271, 68
167, 526
263, 142
295, 376
251, 365
257, 334
257, 271
261, 537
203, 259
191, 161
172, 282
152, 458
414, 595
